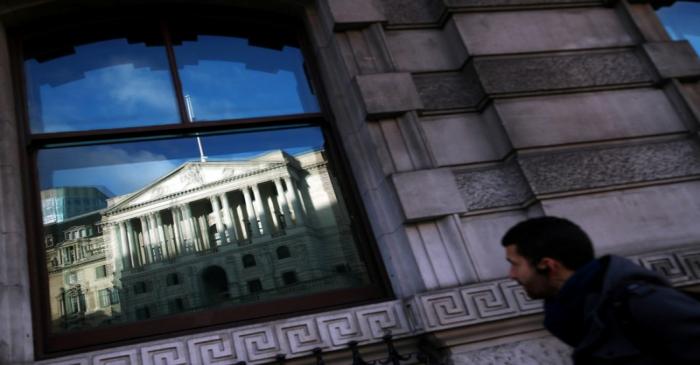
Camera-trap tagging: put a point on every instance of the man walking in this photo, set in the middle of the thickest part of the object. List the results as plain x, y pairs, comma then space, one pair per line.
609, 310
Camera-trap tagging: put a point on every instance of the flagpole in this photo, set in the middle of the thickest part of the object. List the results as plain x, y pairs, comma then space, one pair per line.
190, 114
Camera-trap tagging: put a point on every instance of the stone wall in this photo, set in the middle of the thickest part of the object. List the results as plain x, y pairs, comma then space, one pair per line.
459, 118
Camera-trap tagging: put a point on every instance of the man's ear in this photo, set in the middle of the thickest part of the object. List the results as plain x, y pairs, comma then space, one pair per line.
545, 265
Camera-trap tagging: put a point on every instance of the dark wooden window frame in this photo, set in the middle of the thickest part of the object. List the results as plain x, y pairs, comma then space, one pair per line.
50, 345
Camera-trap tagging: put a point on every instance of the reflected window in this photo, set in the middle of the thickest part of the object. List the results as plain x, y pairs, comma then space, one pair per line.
289, 278
283, 252
682, 22
248, 260
227, 77
255, 286
112, 77
172, 279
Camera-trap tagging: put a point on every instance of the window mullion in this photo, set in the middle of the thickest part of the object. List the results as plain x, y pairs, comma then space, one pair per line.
177, 84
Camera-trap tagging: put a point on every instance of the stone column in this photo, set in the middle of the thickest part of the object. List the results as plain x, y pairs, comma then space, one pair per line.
294, 200
146, 234
283, 203
216, 208
228, 220
160, 230
252, 218
191, 226
125, 245
262, 214
136, 258
177, 230
116, 247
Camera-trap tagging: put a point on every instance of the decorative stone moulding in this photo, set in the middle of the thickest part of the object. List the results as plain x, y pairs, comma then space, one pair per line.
673, 59
493, 187
547, 73
297, 337
596, 168
450, 90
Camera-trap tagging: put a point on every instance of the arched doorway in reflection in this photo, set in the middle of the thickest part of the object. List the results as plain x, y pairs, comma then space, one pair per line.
215, 286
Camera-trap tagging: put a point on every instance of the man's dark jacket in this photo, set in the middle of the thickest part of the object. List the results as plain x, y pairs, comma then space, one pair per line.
612, 311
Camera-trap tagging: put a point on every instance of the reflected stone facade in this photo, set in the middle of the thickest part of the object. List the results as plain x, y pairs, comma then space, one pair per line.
207, 234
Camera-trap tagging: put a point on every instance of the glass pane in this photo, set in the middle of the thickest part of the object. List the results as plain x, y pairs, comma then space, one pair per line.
109, 80
225, 77
255, 217
682, 21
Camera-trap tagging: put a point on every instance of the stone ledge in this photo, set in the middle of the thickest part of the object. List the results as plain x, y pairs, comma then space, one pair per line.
595, 168
673, 59
387, 94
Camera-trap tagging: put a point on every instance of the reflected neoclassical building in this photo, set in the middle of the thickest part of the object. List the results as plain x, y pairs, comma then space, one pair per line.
228, 232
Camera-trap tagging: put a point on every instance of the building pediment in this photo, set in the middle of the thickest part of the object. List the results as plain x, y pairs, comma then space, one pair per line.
192, 176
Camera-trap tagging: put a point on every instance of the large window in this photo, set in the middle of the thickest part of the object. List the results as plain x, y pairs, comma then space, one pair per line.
168, 155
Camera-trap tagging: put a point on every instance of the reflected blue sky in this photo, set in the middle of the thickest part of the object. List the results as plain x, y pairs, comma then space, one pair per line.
226, 78
122, 168
107, 84
682, 21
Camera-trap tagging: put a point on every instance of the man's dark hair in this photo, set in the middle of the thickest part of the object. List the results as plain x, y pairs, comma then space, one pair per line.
553, 237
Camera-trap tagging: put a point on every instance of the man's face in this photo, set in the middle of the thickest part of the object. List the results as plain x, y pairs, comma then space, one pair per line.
536, 285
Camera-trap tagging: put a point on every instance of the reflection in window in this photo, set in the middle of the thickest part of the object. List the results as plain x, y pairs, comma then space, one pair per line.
682, 21
248, 260
283, 252
77, 84
225, 77
227, 201
172, 279
289, 278
255, 286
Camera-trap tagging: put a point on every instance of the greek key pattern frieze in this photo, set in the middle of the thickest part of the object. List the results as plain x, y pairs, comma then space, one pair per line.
474, 304
299, 336
680, 267
261, 343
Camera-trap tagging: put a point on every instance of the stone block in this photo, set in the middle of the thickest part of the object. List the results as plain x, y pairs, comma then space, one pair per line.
493, 187
15, 306
533, 74
560, 119
545, 350
441, 253
412, 11
450, 90
508, 32
388, 94
596, 168
11, 205
466, 4
353, 14
673, 59
465, 138
420, 50
483, 235
426, 194
635, 220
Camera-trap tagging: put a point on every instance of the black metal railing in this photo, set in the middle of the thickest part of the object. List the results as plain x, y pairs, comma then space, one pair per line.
424, 355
